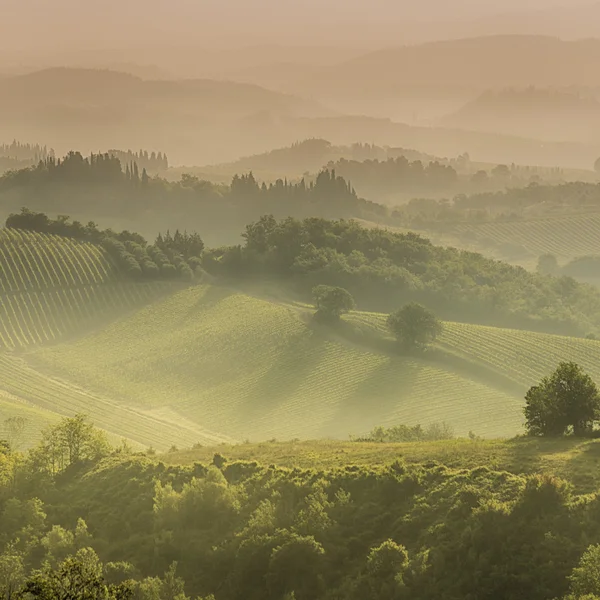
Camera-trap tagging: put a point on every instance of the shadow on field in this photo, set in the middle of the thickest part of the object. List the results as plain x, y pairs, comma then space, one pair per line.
536, 455
213, 295
583, 468
372, 402
292, 366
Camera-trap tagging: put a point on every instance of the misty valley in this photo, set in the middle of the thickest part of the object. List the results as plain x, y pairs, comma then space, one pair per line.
299, 307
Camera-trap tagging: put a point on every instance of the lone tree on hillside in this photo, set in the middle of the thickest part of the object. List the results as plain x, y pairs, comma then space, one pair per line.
597, 165
414, 326
331, 302
566, 400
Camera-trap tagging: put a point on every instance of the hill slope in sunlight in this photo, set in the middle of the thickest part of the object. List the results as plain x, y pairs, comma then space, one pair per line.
253, 369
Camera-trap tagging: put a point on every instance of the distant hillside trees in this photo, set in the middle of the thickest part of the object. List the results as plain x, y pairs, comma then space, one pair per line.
566, 400
18, 155
151, 161
100, 185
331, 302
404, 433
414, 326
374, 177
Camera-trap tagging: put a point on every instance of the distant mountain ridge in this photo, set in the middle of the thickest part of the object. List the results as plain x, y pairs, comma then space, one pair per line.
541, 113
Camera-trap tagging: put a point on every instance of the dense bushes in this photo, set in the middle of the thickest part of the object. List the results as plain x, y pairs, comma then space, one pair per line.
245, 531
404, 433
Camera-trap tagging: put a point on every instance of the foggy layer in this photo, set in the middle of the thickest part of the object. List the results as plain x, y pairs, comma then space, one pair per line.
29, 27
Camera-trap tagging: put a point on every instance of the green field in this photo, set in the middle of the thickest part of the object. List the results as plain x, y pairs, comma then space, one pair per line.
568, 236
253, 369
523, 357
164, 365
51, 287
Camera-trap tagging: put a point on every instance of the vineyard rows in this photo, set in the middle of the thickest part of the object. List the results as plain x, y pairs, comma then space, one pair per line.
145, 427
568, 237
52, 286
523, 356
253, 370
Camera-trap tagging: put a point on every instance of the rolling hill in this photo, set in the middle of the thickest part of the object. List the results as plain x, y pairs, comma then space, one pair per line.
53, 287
164, 364
545, 114
420, 83
197, 119
253, 369
567, 236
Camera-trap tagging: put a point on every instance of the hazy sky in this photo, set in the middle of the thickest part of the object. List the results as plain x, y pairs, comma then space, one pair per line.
27, 26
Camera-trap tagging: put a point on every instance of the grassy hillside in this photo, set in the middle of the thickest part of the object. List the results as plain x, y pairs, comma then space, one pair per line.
52, 286
253, 369
572, 459
565, 236
210, 364
523, 357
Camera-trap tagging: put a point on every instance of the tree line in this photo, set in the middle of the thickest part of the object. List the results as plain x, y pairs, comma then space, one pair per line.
172, 256
102, 186
152, 162
382, 270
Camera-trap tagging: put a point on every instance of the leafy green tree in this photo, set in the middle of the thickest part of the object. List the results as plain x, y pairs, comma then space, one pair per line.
12, 572
585, 578
78, 577
414, 326
332, 302
296, 567
567, 399
385, 568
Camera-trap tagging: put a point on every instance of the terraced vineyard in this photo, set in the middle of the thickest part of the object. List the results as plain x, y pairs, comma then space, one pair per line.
253, 369
566, 236
52, 286
523, 356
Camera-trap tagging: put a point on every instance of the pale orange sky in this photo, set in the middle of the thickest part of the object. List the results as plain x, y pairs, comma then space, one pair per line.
29, 26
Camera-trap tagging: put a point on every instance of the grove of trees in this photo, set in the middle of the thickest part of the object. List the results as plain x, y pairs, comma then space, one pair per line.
383, 270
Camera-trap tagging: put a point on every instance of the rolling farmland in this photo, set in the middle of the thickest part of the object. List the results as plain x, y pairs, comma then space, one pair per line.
522, 356
52, 286
253, 369
209, 364
566, 236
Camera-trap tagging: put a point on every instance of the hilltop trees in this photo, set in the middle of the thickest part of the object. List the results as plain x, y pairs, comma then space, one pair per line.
414, 326
566, 400
331, 302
